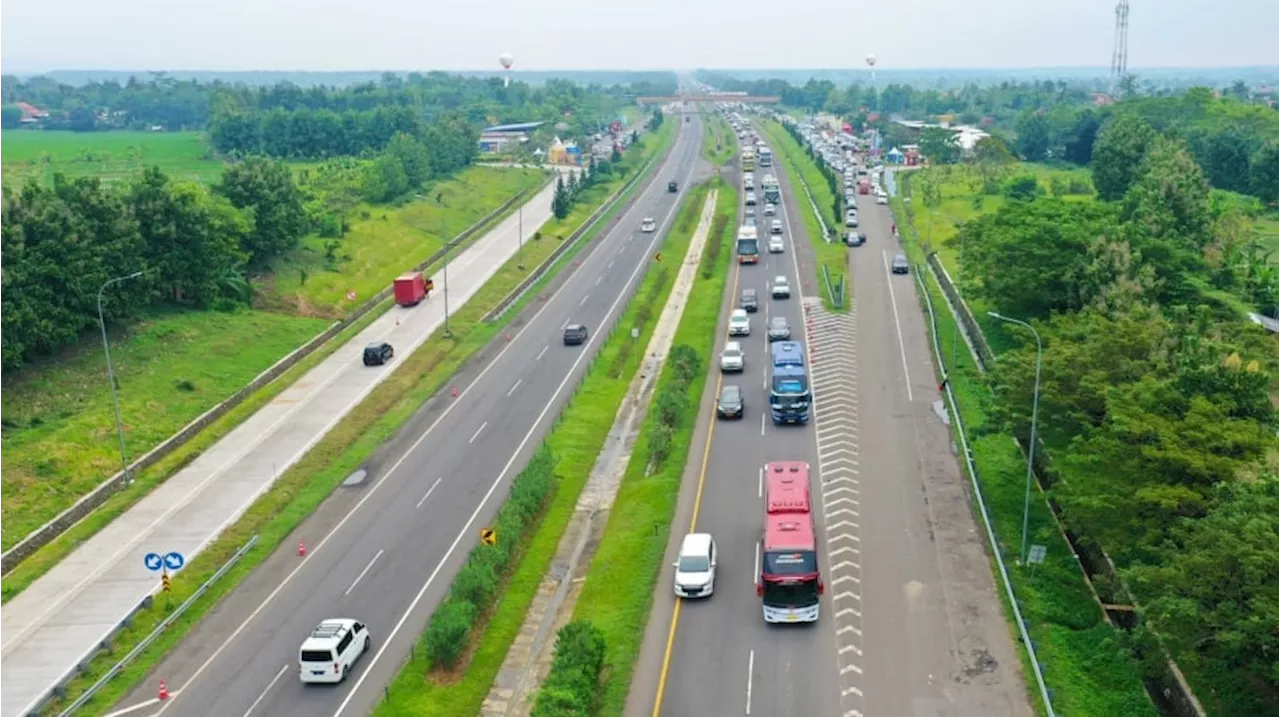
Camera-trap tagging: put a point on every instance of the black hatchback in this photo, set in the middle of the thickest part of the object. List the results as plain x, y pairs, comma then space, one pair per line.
729, 404
575, 334
378, 353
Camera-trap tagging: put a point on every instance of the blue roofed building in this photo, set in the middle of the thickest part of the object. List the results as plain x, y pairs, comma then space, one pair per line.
499, 138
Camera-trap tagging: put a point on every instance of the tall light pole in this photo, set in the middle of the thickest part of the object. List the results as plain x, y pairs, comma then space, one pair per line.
448, 245
1035, 408
111, 373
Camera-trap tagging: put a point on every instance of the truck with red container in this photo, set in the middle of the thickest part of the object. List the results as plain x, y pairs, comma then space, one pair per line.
864, 186
412, 288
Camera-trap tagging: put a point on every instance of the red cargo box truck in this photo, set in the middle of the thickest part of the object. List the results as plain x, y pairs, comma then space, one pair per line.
411, 288
864, 186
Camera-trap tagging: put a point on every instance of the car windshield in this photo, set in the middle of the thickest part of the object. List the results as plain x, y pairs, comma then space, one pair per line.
779, 323
730, 394
732, 352
694, 564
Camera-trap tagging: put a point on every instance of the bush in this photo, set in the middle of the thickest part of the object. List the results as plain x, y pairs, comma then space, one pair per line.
448, 631
572, 687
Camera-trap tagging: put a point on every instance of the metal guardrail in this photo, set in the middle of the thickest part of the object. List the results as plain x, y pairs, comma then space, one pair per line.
1027, 644
834, 290
117, 668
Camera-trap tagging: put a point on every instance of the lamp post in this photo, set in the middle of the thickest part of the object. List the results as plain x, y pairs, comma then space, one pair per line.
448, 245
111, 373
1035, 408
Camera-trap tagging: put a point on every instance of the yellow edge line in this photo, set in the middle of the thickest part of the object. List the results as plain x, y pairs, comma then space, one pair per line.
693, 525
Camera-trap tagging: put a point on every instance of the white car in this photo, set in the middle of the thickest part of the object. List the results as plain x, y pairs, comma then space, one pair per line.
648, 225
732, 358
781, 288
776, 245
882, 199
696, 566
331, 649
775, 227
770, 210
739, 323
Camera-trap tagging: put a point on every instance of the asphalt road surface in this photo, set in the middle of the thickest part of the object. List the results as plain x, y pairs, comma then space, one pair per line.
910, 622
385, 550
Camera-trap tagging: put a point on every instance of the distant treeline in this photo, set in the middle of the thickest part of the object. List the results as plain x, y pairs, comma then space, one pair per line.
194, 245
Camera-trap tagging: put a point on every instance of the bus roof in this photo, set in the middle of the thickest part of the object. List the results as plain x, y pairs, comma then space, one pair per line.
788, 353
789, 532
786, 487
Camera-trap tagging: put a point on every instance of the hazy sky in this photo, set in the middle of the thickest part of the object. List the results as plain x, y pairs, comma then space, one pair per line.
38, 35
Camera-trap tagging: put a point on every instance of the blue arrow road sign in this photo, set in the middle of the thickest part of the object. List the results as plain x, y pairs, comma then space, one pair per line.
174, 561
153, 561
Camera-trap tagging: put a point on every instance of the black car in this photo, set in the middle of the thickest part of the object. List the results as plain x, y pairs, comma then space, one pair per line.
729, 404
749, 302
855, 238
779, 329
378, 353
575, 334
673, 187
900, 265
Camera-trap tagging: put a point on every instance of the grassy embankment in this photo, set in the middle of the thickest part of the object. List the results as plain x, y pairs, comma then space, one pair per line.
1083, 658
302, 488
174, 365
113, 156
833, 255
617, 596
575, 442
718, 141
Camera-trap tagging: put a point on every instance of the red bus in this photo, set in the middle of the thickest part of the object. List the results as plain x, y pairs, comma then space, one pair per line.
790, 583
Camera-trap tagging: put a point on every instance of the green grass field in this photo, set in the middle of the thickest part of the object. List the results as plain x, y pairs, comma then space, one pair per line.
385, 241
716, 132
113, 156
59, 432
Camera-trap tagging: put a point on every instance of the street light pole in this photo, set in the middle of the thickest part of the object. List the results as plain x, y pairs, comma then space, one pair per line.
111, 373
520, 227
1035, 409
448, 334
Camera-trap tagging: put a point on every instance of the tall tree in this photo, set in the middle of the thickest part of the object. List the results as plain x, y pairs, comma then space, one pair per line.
1118, 153
266, 187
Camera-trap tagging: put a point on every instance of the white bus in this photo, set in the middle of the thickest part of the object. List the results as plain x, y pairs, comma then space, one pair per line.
766, 157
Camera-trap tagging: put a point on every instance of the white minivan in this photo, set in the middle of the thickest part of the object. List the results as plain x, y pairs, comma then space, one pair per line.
696, 566
332, 648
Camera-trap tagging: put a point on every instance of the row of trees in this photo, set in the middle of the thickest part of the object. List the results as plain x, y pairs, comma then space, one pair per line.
1155, 400
195, 247
569, 193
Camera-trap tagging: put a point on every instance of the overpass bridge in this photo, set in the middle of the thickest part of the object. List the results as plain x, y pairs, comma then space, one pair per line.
713, 97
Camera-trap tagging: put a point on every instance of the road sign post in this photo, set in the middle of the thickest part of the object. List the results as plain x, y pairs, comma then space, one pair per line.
488, 536
1035, 556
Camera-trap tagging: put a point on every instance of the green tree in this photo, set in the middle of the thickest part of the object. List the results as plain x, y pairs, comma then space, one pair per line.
1264, 179
266, 188
384, 179
10, 116
413, 158
1034, 140
560, 201
1118, 153
939, 145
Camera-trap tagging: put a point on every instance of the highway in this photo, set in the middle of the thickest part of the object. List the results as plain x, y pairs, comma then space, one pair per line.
910, 622
384, 551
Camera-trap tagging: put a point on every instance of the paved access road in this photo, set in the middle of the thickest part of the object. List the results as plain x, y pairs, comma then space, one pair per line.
724, 659
911, 623
53, 624
384, 551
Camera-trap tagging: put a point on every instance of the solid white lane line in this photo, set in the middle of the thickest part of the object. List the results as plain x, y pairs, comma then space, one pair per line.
544, 348
751, 668
476, 435
896, 323
514, 386
360, 577
430, 490
141, 705
262, 696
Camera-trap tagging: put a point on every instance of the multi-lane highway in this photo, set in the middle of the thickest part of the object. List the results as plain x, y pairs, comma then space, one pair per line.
911, 623
384, 550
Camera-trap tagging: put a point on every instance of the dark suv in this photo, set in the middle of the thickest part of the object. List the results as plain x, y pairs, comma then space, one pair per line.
672, 187
749, 302
378, 353
575, 334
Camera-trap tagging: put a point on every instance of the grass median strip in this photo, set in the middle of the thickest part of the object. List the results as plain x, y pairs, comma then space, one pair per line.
797, 165
1085, 661
423, 688
301, 489
618, 592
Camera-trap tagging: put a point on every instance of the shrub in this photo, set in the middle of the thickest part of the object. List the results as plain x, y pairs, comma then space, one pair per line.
448, 631
572, 687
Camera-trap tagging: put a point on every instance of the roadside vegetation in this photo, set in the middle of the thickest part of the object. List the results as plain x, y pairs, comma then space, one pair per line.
470, 634
301, 489
112, 157
719, 145
1156, 416
800, 166
617, 596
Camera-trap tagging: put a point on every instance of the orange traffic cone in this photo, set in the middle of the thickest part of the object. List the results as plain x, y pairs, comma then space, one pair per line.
164, 691
302, 549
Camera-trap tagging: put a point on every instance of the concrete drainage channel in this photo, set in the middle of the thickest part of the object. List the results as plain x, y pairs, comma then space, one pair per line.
529, 658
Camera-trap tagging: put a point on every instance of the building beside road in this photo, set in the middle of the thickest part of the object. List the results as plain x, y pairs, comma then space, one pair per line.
504, 137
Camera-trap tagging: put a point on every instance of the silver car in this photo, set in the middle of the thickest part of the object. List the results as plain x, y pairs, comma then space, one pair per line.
779, 329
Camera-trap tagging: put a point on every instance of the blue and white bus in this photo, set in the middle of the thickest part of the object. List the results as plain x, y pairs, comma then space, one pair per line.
789, 392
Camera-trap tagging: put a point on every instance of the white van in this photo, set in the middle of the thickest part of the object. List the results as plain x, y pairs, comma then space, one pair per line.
696, 566
332, 648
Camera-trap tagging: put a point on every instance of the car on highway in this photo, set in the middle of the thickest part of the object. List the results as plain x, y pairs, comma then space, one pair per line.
378, 353
855, 238
900, 264
882, 199
730, 404
777, 245
732, 359
695, 566
647, 225
672, 187
749, 212
775, 226
739, 323
781, 288
851, 218
751, 199
749, 301
770, 210
748, 221
575, 334
331, 649
779, 329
